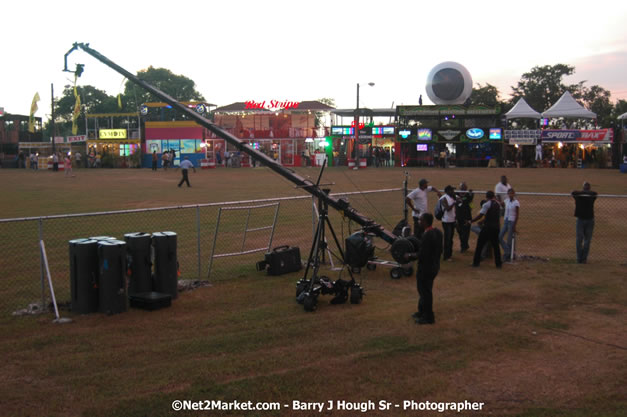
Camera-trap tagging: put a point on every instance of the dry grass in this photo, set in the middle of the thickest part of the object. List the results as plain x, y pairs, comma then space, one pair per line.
535, 339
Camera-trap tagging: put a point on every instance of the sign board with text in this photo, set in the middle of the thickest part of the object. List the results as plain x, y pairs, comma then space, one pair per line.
112, 134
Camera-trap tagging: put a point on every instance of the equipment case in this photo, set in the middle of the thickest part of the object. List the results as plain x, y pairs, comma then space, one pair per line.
281, 260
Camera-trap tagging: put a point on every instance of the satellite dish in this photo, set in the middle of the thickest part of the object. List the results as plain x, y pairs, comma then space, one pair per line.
449, 83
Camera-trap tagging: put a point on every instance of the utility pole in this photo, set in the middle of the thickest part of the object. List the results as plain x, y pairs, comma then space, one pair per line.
52, 116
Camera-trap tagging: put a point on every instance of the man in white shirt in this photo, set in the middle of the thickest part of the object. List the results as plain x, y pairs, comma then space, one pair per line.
185, 165
500, 190
417, 200
539, 152
448, 221
512, 213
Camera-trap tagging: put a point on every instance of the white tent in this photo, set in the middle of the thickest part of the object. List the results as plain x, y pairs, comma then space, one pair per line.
522, 110
623, 116
566, 106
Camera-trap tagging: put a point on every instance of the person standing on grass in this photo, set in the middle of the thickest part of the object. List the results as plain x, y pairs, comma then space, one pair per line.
55, 162
512, 214
490, 230
428, 256
463, 213
584, 211
448, 220
418, 202
67, 166
185, 165
165, 160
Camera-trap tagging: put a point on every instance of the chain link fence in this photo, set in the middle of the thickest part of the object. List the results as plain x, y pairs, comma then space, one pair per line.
546, 229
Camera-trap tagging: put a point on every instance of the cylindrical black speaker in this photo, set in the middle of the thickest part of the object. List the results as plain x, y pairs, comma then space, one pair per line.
84, 275
99, 238
112, 278
166, 264
138, 262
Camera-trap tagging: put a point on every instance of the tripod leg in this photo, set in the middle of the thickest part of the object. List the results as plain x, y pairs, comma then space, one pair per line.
339, 247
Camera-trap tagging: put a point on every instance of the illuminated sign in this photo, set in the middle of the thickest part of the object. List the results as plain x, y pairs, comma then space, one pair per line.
112, 134
201, 108
143, 110
361, 125
404, 133
474, 133
422, 147
424, 134
342, 131
495, 133
274, 104
385, 130
449, 134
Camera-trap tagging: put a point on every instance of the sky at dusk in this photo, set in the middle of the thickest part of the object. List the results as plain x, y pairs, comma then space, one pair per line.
296, 51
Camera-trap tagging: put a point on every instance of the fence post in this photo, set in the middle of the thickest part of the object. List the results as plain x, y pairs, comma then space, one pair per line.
198, 238
41, 266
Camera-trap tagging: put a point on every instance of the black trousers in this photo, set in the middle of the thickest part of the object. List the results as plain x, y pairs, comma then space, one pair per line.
463, 229
491, 235
418, 231
185, 178
424, 283
154, 165
449, 231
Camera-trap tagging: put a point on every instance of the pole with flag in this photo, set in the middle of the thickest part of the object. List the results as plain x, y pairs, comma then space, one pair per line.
33, 110
77, 108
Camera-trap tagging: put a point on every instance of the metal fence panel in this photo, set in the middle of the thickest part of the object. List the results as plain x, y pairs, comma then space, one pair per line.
546, 229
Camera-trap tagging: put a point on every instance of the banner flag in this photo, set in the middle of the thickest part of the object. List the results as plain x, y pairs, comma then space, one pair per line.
33, 110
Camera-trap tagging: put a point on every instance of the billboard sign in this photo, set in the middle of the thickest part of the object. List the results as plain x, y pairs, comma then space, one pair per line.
112, 134
573, 135
474, 133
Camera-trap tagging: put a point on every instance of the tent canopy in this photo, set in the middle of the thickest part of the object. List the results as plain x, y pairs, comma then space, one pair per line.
566, 106
623, 116
522, 110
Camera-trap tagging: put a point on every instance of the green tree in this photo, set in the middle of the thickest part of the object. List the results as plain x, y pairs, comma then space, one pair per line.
542, 86
319, 119
619, 108
487, 95
596, 99
179, 87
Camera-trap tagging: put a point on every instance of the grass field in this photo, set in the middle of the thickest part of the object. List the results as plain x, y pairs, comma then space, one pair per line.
535, 339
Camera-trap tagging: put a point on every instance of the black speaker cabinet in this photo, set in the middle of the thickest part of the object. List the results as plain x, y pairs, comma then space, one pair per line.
84, 275
138, 246
112, 276
166, 263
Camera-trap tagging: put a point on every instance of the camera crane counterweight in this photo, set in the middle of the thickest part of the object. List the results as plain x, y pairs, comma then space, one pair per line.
338, 204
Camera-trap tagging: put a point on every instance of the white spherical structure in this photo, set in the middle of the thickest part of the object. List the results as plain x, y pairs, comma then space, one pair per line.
449, 83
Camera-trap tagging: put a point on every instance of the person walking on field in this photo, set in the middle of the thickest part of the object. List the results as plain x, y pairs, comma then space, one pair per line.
512, 214
165, 160
418, 202
185, 165
584, 211
490, 231
67, 166
154, 160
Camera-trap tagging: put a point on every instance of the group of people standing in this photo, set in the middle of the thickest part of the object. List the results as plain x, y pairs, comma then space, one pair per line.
456, 214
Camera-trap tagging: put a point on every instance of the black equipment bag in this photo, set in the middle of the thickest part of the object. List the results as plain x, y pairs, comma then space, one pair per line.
281, 260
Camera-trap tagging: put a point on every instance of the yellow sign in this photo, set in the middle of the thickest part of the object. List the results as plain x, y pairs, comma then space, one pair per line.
112, 134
